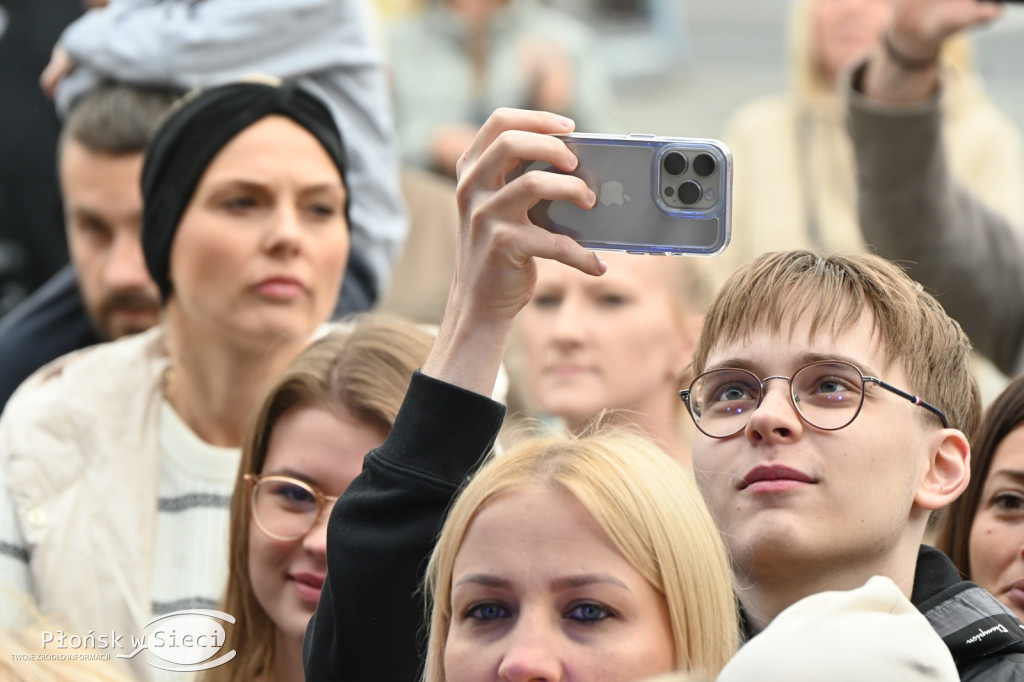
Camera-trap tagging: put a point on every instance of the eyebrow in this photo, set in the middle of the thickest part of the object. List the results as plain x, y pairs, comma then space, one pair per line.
801, 359
291, 473
567, 583
218, 185
1015, 474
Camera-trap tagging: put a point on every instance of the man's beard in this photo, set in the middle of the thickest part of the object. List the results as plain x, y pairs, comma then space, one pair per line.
133, 300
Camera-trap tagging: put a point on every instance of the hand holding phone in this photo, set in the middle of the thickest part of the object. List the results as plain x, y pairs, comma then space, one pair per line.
664, 195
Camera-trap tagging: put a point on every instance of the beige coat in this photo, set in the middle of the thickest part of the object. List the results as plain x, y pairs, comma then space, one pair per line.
79, 454
794, 167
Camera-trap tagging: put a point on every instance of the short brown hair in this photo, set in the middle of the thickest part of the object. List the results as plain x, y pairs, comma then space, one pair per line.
117, 119
776, 289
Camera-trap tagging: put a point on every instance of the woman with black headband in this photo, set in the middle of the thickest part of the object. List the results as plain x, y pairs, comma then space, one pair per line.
119, 460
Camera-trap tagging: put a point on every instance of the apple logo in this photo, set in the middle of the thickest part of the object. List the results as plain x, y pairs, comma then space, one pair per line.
612, 193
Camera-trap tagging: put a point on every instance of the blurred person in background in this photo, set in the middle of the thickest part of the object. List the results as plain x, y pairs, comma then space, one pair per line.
106, 291
913, 206
456, 61
327, 46
32, 246
617, 342
795, 172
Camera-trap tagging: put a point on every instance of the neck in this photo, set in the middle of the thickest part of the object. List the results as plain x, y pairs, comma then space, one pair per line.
766, 592
287, 663
213, 384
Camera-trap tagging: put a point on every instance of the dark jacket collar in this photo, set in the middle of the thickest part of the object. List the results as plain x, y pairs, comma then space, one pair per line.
972, 623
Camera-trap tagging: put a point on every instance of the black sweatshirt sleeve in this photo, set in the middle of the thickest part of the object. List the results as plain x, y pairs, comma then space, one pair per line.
369, 623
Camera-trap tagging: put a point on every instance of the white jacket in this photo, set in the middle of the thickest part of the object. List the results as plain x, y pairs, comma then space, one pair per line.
79, 457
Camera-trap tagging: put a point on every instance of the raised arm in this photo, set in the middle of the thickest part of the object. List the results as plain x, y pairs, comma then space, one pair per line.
911, 209
186, 44
369, 622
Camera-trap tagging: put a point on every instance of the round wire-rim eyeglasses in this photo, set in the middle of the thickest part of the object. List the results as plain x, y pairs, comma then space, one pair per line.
832, 390
293, 500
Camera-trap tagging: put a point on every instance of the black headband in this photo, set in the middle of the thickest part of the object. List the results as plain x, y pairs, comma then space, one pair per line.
190, 137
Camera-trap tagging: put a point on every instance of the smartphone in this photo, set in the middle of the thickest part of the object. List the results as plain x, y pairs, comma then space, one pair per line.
657, 195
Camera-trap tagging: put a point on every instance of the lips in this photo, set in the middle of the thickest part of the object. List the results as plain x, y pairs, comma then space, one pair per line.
565, 370
1016, 593
282, 287
774, 477
308, 585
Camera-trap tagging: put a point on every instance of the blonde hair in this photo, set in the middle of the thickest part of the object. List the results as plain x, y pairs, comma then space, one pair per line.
956, 58
773, 291
651, 510
366, 367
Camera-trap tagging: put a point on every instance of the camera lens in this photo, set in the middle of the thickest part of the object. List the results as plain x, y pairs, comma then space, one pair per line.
675, 163
704, 165
689, 192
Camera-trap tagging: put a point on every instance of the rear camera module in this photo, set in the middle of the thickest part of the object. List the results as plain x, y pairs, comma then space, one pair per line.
675, 163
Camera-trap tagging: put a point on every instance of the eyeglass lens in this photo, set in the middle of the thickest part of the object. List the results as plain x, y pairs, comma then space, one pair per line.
827, 395
285, 508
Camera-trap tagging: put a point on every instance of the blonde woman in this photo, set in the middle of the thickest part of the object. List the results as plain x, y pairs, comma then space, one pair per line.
579, 558
616, 342
795, 174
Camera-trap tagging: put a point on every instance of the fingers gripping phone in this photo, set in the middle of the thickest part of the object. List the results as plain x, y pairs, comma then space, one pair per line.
662, 195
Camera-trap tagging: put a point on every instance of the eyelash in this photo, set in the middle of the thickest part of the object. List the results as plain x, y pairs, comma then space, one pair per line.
238, 203
473, 612
604, 612
999, 502
575, 612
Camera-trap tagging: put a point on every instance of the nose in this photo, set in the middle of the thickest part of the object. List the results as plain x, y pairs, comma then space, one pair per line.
532, 652
315, 541
776, 417
284, 234
126, 266
568, 321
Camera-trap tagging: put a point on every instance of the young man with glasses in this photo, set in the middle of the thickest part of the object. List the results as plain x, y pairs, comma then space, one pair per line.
818, 458
803, 508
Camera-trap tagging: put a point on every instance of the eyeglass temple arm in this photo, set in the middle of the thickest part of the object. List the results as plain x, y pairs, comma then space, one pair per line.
912, 398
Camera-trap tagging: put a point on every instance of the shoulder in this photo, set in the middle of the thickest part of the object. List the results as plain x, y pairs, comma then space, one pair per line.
872, 632
756, 115
83, 380
47, 325
967, 107
995, 669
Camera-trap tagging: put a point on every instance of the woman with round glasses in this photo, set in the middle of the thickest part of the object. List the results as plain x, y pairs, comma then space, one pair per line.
334, 403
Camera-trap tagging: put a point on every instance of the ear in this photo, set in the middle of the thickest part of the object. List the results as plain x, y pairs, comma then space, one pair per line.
948, 471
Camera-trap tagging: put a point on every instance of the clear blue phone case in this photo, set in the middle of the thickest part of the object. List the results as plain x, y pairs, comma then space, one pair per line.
654, 194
